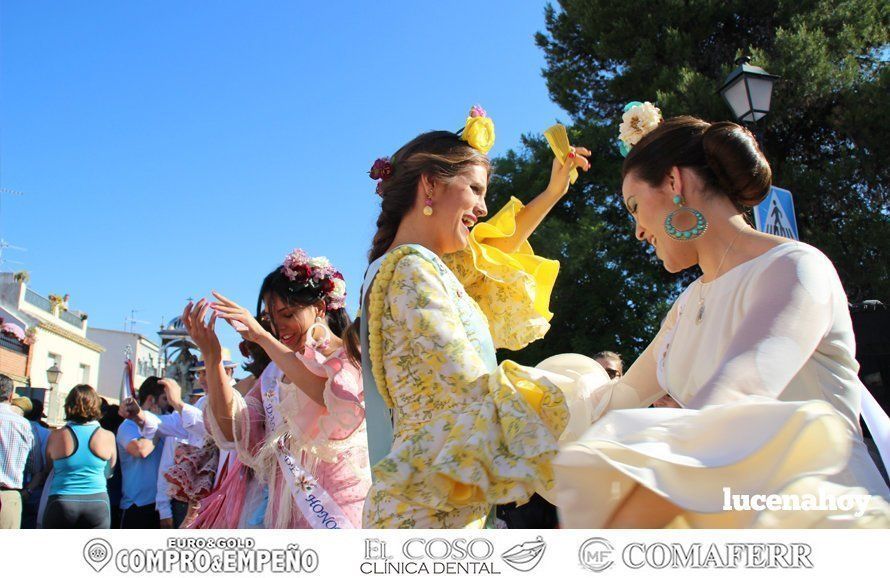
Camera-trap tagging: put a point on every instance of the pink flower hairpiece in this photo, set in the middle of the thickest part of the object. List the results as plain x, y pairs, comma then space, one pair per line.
380, 171
477, 111
318, 274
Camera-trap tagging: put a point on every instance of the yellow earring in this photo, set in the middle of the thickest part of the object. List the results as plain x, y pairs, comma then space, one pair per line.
428, 209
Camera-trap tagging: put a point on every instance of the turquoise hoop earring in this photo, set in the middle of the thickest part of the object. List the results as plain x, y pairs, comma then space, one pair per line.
701, 224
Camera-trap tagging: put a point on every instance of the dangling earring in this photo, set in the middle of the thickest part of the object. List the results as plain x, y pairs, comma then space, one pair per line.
428, 201
319, 344
701, 224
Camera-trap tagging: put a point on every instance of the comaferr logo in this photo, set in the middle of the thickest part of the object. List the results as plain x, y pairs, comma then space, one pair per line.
596, 554
661, 555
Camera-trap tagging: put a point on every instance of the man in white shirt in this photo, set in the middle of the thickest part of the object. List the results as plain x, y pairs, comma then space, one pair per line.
184, 425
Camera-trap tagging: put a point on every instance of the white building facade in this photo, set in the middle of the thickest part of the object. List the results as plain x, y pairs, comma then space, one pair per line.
60, 338
144, 353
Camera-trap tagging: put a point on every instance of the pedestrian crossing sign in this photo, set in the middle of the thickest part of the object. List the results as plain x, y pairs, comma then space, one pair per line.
775, 214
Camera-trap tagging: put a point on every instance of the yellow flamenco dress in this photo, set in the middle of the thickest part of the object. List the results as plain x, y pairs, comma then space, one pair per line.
467, 433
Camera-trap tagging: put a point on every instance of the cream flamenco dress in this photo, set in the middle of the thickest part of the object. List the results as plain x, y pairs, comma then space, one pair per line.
768, 381
468, 433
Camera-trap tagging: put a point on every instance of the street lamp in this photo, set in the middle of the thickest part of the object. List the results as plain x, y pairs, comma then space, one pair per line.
53, 374
52, 377
748, 91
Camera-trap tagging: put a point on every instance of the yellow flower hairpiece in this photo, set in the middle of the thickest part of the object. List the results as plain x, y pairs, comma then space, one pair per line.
478, 132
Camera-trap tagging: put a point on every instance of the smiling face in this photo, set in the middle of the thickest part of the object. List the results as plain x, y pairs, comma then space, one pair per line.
458, 204
290, 322
649, 207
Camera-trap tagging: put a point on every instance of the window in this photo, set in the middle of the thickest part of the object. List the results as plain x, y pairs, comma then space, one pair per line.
54, 359
84, 374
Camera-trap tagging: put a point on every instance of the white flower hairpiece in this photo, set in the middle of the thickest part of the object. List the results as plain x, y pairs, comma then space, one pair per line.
638, 120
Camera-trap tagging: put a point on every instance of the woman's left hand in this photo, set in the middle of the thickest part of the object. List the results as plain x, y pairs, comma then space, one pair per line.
239, 318
560, 172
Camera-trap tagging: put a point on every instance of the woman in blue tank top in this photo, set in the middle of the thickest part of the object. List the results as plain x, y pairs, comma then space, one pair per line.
82, 455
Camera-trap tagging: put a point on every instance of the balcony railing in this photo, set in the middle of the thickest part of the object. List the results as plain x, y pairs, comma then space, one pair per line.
38, 301
45, 304
71, 318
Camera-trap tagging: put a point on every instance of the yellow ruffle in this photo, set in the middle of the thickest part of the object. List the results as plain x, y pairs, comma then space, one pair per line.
495, 449
512, 289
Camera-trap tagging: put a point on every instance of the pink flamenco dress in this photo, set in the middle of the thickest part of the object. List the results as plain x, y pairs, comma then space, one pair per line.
237, 497
312, 457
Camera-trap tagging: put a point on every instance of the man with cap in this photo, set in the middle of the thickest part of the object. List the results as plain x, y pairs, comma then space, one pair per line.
200, 372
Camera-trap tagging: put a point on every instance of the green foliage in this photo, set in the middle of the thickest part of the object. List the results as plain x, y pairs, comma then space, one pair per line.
826, 138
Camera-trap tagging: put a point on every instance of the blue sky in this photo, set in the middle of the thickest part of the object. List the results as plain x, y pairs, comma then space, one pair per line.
165, 149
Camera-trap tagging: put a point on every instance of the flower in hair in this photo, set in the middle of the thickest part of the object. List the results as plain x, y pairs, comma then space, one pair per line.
338, 293
638, 120
296, 265
477, 111
478, 132
315, 274
381, 169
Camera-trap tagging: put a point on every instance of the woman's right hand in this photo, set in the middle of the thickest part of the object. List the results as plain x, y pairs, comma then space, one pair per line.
240, 319
561, 170
202, 330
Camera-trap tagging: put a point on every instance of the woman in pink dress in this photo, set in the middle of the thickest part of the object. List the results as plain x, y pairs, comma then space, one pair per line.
301, 428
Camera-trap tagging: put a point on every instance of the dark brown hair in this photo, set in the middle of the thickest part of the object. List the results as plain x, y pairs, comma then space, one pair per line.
258, 358
152, 386
300, 295
724, 155
83, 404
441, 155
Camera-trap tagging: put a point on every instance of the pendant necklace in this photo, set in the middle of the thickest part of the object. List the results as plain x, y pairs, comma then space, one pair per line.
701, 294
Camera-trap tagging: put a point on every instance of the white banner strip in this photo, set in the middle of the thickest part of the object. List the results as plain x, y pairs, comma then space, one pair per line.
545, 553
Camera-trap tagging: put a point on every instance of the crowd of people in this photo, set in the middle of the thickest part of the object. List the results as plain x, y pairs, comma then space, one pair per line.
405, 418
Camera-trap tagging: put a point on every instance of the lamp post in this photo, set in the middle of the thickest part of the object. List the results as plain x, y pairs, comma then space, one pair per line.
748, 91
53, 374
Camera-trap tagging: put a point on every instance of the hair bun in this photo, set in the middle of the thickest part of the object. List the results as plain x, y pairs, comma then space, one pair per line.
735, 158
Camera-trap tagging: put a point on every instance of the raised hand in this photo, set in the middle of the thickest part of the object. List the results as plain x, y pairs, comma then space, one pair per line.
129, 408
202, 329
239, 318
174, 393
560, 171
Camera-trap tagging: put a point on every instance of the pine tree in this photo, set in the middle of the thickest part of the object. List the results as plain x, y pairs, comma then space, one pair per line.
826, 138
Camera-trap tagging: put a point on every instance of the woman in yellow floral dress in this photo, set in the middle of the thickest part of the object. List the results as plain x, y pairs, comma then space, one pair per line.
467, 433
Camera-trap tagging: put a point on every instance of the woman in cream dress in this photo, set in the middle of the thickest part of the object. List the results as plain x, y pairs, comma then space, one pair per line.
759, 352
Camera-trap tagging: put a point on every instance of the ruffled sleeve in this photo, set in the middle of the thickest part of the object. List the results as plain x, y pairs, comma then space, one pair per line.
513, 290
465, 434
324, 430
248, 427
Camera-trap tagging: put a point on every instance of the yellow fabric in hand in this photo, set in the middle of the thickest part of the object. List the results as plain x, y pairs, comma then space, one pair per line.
559, 143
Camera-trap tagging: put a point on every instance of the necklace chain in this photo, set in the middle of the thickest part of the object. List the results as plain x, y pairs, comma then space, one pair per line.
702, 292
